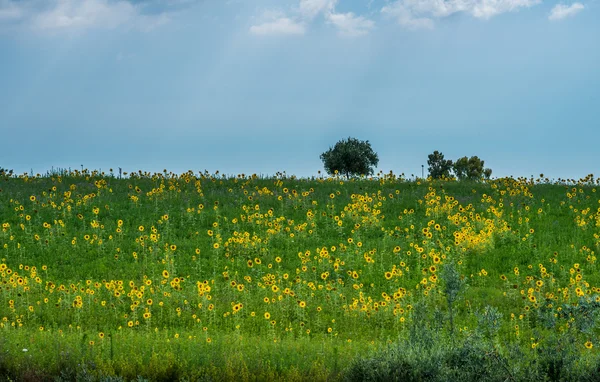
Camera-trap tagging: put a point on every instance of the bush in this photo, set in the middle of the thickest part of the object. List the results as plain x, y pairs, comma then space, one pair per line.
413, 361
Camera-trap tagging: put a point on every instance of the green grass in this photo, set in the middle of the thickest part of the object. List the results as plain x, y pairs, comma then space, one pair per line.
210, 277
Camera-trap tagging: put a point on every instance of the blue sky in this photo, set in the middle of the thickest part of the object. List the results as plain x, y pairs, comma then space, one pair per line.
263, 86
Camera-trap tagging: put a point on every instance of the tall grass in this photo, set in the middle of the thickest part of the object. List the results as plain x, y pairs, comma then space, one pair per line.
167, 276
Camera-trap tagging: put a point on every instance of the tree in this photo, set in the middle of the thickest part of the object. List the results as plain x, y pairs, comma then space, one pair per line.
350, 157
487, 173
460, 168
5, 172
471, 168
438, 166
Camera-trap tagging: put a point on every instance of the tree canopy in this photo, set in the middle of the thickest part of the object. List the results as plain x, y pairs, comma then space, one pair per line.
438, 166
350, 157
471, 168
464, 168
5, 172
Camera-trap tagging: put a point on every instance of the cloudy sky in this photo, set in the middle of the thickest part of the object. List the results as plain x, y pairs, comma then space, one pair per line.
260, 86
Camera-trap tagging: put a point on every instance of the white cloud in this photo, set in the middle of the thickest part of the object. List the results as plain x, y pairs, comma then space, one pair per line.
560, 11
311, 8
282, 25
422, 13
347, 24
350, 25
406, 18
86, 14
83, 14
486, 9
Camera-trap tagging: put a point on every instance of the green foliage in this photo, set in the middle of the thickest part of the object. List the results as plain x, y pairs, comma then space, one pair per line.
435, 356
374, 261
489, 321
452, 282
5, 172
463, 168
452, 287
432, 357
438, 166
350, 157
471, 168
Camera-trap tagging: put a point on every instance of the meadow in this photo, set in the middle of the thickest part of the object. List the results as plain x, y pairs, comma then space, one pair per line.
200, 276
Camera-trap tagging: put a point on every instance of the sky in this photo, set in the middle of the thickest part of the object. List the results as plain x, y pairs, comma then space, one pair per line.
266, 86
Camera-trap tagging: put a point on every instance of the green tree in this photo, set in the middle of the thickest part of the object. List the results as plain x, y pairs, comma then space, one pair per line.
5, 172
471, 168
438, 166
350, 157
460, 168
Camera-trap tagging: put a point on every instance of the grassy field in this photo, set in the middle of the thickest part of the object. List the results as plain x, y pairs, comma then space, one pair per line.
209, 277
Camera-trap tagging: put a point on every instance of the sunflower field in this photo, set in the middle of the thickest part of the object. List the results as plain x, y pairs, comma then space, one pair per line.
200, 276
